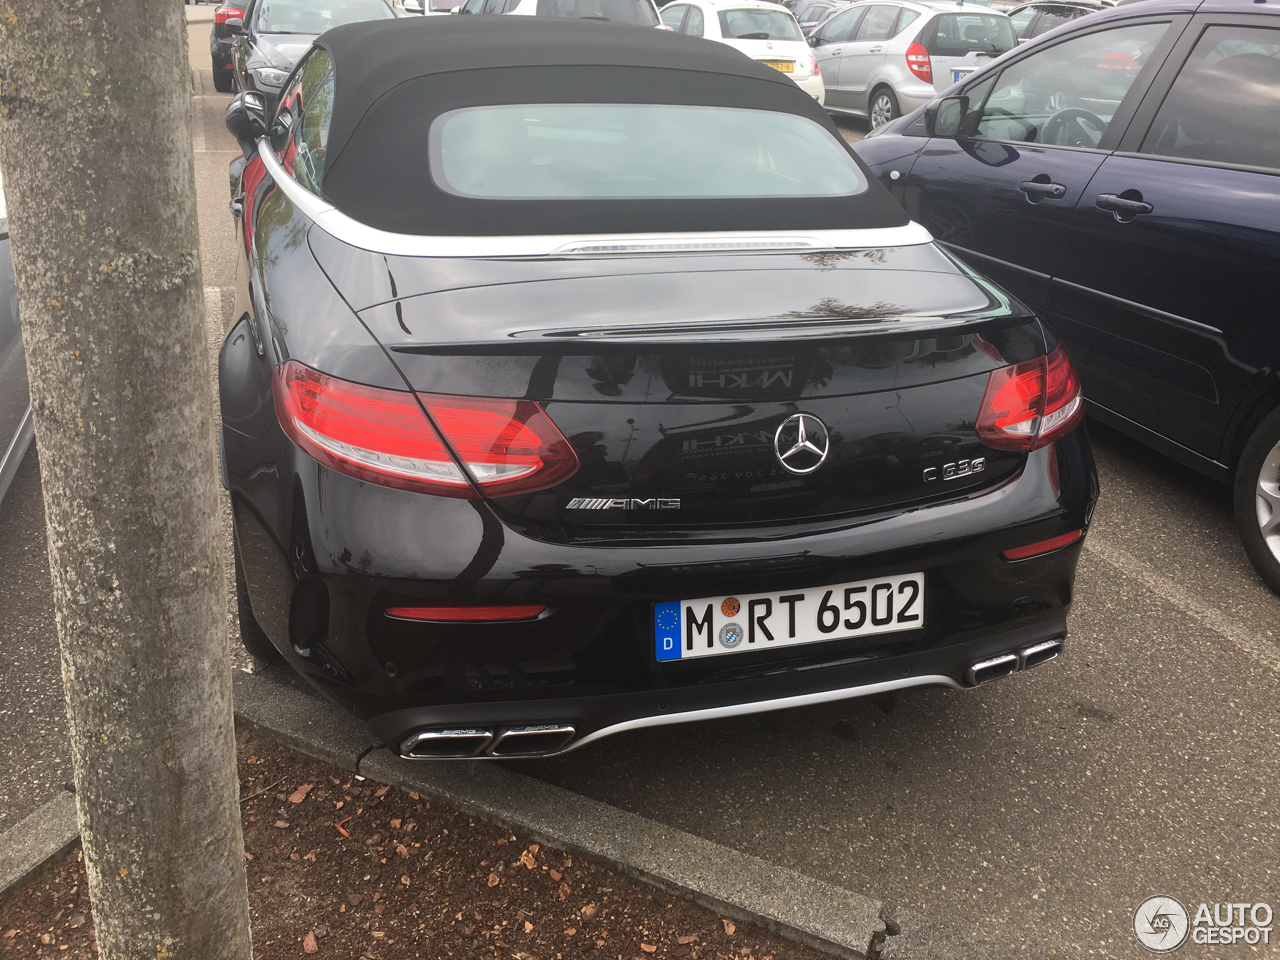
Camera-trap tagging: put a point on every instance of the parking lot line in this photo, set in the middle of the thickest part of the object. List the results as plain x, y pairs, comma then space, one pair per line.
1264, 651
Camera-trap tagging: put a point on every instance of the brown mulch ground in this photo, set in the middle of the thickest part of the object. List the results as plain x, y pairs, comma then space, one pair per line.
344, 867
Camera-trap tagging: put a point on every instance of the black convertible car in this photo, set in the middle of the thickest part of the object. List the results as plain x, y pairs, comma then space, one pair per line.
584, 380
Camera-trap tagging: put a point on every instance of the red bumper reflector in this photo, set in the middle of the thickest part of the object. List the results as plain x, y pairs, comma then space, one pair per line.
1044, 546
466, 614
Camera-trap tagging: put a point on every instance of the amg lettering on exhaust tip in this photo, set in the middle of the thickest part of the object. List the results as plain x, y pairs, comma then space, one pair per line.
656, 503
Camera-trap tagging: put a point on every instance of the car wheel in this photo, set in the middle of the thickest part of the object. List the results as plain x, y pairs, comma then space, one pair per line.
884, 107
221, 79
252, 635
1257, 499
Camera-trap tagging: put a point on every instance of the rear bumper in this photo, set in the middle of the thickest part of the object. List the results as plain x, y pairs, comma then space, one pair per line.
220, 48
913, 99
566, 724
325, 556
814, 87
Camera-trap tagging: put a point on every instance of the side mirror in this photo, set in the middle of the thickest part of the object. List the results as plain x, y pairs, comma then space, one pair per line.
247, 118
813, 40
945, 118
412, 6
235, 26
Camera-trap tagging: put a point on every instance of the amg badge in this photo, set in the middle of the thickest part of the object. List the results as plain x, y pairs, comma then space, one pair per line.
588, 503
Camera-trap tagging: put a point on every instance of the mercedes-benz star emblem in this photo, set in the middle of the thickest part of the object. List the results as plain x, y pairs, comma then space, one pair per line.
801, 443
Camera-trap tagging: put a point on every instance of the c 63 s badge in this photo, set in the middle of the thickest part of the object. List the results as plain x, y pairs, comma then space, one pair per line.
952, 471
590, 503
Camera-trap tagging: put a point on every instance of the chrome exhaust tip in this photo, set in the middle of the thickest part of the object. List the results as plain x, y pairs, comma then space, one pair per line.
532, 741
444, 744
1039, 653
984, 671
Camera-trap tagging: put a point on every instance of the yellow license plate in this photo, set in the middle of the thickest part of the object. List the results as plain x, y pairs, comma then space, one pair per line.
783, 65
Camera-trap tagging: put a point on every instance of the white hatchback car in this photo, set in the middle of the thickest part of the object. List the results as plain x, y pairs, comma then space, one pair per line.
767, 32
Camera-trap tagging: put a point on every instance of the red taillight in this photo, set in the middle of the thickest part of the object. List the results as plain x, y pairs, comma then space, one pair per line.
225, 13
1030, 405
507, 446
815, 64
918, 62
467, 614
1044, 546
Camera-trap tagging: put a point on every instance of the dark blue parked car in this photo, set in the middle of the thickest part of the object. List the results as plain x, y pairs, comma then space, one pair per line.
1121, 175
16, 428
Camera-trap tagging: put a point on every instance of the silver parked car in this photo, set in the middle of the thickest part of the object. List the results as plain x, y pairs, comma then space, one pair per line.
880, 60
16, 428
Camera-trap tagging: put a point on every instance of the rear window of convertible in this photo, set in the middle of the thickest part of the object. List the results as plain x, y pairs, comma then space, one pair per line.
635, 151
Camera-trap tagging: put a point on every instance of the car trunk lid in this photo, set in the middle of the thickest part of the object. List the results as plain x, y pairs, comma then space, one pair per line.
682, 382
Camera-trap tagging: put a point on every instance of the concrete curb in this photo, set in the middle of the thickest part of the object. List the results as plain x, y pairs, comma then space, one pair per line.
279, 705
31, 843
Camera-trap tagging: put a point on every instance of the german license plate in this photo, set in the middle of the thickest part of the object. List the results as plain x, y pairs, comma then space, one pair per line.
958, 75
715, 626
785, 66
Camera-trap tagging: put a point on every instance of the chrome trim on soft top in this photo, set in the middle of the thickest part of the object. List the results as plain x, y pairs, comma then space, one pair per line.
342, 227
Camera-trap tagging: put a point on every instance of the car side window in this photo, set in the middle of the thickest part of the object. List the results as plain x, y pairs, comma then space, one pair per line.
672, 15
905, 19
877, 24
301, 128
1223, 107
977, 94
840, 27
1067, 94
317, 102
288, 115
1021, 19
1051, 17
693, 24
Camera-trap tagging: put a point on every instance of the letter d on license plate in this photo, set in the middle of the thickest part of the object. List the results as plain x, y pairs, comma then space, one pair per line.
714, 626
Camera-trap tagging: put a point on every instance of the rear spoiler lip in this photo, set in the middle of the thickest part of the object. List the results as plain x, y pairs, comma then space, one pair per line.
751, 331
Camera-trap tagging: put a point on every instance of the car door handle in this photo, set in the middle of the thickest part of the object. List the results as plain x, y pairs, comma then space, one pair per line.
1124, 208
1037, 191
876, 49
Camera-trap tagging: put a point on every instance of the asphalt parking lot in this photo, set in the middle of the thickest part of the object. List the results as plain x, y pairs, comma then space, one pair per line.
1036, 812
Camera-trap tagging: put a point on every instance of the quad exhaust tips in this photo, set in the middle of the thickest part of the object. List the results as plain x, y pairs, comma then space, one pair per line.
995, 668
454, 743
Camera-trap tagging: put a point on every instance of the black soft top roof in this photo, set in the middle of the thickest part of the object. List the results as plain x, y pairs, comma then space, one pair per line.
393, 77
